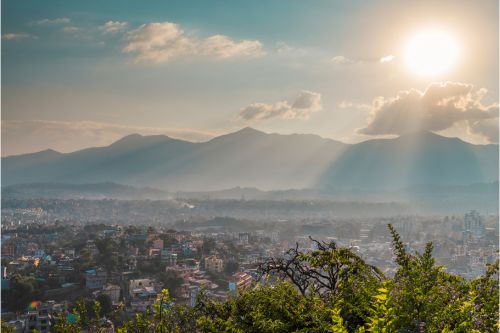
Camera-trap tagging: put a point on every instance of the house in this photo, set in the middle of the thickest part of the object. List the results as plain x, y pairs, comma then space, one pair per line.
140, 288
95, 278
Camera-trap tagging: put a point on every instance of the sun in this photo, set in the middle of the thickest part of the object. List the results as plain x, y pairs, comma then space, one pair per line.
431, 52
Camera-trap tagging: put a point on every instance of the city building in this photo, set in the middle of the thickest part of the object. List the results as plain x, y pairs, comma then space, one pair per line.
214, 264
95, 278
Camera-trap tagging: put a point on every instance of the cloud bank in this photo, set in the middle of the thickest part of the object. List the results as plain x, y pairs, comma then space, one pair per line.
161, 42
439, 107
306, 103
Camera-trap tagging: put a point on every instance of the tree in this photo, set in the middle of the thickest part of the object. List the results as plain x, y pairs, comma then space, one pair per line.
107, 255
106, 304
333, 273
231, 267
281, 308
424, 297
22, 291
171, 281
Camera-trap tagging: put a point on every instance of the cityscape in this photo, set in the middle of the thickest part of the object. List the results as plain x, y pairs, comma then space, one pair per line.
278, 166
59, 260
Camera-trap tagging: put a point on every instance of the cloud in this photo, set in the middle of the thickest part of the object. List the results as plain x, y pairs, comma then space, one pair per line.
487, 128
70, 29
387, 58
56, 21
306, 103
351, 105
18, 36
437, 108
283, 47
35, 135
341, 60
161, 42
113, 27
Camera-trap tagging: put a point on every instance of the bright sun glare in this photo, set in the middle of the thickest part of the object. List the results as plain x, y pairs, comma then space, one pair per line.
431, 52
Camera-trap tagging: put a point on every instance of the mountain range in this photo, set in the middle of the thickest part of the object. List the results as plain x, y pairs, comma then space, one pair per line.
251, 158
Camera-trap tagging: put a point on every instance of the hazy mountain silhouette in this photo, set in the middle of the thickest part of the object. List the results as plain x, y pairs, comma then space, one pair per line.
422, 158
81, 191
250, 158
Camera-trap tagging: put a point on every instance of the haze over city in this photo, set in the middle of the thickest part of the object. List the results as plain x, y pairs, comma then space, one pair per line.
249, 166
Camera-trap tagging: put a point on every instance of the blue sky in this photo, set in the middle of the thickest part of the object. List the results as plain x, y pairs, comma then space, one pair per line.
71, 81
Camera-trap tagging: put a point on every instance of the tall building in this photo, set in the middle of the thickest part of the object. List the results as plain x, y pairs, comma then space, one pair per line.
473, 226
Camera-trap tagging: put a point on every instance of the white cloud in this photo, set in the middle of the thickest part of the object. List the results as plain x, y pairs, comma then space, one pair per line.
34, 135
439, 107
113, 27
306, 103
56, 21
161, 42
387, 58
351, 105
18, 36
283, 47
341, 60
487, 128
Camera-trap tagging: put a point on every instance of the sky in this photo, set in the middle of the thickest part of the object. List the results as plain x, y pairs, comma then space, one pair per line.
77, 74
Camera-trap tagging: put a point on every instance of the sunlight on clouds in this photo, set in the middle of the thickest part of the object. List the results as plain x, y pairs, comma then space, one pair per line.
438, 108
113, 27
161, 42
387, 58
306, 103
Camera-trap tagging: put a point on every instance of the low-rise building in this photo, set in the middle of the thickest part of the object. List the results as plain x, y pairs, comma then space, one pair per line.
95, 278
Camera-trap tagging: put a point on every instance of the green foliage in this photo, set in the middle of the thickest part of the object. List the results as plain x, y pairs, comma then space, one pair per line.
280, 308
338, 322
171, 281
383, 317
6, 328
23, 290
105, 304
165, 318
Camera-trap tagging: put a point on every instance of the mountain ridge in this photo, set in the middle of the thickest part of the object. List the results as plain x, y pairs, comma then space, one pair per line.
251, 158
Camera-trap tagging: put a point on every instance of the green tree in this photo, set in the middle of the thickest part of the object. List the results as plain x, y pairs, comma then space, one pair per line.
171, 281
281, 308
105, 303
